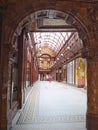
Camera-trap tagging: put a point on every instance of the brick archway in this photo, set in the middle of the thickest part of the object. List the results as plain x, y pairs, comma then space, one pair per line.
82, 19
19, 13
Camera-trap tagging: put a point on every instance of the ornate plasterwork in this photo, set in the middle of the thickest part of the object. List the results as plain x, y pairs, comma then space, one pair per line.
46, 50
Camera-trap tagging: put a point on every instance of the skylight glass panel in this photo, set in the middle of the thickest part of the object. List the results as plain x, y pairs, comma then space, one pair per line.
54, 40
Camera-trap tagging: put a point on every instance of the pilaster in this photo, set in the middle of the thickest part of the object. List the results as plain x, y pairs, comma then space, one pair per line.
20, 68
4, 86
92, 90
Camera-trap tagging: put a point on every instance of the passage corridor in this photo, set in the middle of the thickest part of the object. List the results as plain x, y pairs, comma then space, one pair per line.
52, 106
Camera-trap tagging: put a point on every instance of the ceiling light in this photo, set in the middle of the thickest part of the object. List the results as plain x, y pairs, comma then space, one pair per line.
62, 54
68, 47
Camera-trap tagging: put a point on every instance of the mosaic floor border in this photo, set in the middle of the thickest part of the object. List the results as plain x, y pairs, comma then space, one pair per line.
55, 119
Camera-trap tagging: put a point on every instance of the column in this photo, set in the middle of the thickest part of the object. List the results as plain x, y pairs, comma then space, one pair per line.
31, 71
92, 95
3, 79
35, 71
4, 87
75, 72
21, 69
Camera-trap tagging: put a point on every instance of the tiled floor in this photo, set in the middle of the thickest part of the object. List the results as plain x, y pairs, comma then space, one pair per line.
52, 106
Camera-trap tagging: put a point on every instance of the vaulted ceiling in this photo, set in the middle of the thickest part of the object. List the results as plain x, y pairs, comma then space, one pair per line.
53, 33
51, 40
